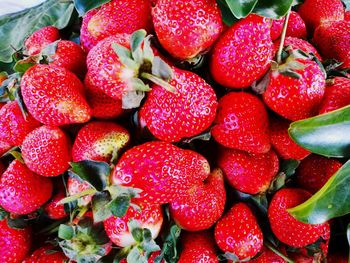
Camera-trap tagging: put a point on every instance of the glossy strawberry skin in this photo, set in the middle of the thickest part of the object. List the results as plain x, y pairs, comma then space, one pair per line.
54, 210
248, 173
243, 53
296, 26
173, 116
47, 151
242, 123
276, 28
22, 191
53, 95
268, 256
238, 232
45, 254
203, 205
286, 228
40, 38
76, 186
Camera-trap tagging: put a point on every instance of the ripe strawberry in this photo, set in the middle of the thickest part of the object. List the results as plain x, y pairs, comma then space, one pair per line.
242, 123
276, 28
99, 141
76, 186
53, 209
286, 228
163, 171
46, 254
173, 116
4, 146
40, 38
285, 147
337, 95
187, 28
347, 15
47, 151
242, 54
268, 256
113, 18
203, 205
13, 126
314, 171
198, 247
238, 232
296, 26
22, 191
53, 95
14, 243
248, 173
337, 258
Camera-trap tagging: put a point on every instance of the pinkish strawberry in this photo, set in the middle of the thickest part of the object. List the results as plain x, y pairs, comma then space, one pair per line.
276, 28
54, 210
46, 254
75, 186
40, 38
4, 147
296, 26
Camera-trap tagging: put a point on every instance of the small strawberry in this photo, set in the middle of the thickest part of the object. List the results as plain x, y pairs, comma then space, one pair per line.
242, 54
238, 232
242, 123
203, 205
248, 173
268, 256
46, 254
296, 26
47, 151
40, 38
54, 210
338, 258
187, 28
14, 243
53, 95
286, 228
314, 171
4, 146
76, 186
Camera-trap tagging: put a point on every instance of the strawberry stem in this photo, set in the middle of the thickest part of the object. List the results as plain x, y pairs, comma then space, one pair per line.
158, 81
283, 36
274, 250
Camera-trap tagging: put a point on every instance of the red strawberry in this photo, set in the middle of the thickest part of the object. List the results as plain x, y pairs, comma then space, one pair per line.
187, 28
113, 18
22, 191
285, 147
98, 141
198, 247
4, 146
248, 173
347, 15
13, 126
268, 256
46, 254
314, 171
242, 54
242, 123
276, 28
173, 116
238, 232
47, 151
76, 186
203, 205
286, 228
53, 209
337, 258
40, 38
14, 243
296, 26
163, 171
53, 95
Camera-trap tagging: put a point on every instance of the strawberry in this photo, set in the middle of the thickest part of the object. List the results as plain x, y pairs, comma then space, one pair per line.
268, 256
40, 38
337, 258
347, 15
198, 247
53, 95
47, 151
276, 28
13, 126
99, 141
14, 243
113, 18
317, 12
203, 205
248, 173
187, 28
238, 232
242, 54
4, 146
286, 228
53, 209
188, 112
46, 254
296, 26
76, 186
314, 171
242, 123
285, 147
22, 191
163, 171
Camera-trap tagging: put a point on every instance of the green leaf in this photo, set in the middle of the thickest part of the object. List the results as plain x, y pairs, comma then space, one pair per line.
272, 8
288, 167
65, 232
136, 39
332, 200
161, 69
226, 13
137, 234
169, 251
23, 65
119, 205
14, 28
98, 234
84, 6
241, 8
326, 134
99, 207
135, 255
17, 223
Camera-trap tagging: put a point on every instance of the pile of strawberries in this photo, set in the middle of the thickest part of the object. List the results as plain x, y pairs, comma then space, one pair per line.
163, 135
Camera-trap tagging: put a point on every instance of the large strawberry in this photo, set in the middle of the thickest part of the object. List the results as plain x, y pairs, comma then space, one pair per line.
187, 28
202, 206
46, 254
21, 190
242, 54
286, 228
53, 95
248, 173
242, 123
40, 38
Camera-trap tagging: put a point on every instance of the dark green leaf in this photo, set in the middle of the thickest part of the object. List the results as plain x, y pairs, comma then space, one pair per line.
136, 256
241, 8
226, 13
169, 249
288, 167
119, 205
3, 213
326, 134
99, 207
137, 234
272, 8
83, 6
98, 234
17, 223
65, 232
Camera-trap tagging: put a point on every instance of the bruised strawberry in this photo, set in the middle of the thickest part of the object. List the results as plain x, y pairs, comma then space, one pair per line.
242, 123
46, 254
40, 38
21, 190
268, 256
203, 205
54, 210
53, 95
296, 26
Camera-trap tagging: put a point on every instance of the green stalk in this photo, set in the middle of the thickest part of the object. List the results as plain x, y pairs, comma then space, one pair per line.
283, 36
158, 81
